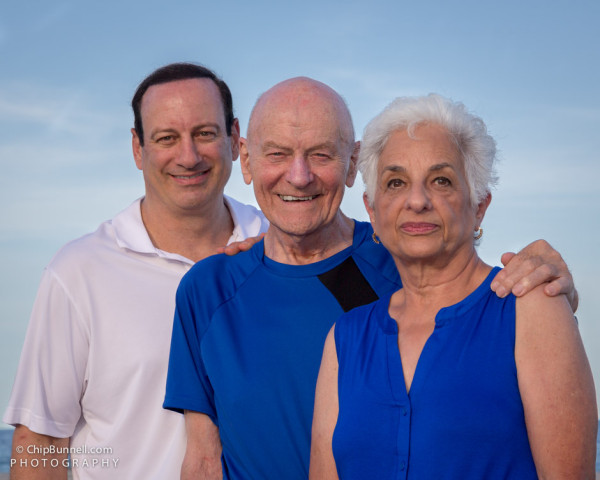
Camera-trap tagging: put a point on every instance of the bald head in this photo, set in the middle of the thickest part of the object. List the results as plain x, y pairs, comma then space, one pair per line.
300, 156
299, 99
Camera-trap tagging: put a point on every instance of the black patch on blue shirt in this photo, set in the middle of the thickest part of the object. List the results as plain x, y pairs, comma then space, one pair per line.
348, 285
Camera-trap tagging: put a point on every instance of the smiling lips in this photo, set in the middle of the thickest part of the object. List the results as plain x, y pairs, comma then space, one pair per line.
291, 198
186, 179
418, 228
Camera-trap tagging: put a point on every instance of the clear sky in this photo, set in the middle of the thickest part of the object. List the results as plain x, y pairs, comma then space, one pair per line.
68, 69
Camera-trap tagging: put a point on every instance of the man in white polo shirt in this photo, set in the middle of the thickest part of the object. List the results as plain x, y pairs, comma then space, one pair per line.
92, 372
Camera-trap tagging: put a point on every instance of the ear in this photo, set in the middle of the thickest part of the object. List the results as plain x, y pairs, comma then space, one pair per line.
245, 161
370, 210
482, 208
136, 148
235, 139
353, 169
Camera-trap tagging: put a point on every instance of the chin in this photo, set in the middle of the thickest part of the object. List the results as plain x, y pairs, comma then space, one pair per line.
297, 228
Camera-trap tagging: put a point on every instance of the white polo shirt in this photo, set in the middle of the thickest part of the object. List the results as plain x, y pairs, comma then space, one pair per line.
95, 357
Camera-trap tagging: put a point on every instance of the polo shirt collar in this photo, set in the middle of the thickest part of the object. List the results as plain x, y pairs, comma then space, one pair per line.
131, 232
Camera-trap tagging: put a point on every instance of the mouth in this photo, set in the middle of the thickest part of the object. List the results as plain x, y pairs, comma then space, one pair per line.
292, 198
418, 227
196, 178
189, 177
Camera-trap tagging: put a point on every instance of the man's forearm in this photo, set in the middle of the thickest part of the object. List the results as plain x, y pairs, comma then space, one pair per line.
202, 460
34, 456
208, 468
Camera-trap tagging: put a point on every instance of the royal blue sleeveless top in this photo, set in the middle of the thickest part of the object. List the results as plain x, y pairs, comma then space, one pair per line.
463, 418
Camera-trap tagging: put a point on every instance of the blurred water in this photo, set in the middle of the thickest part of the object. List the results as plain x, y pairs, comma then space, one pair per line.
5, 443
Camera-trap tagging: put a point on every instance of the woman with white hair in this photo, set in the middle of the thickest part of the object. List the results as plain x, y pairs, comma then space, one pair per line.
443, 379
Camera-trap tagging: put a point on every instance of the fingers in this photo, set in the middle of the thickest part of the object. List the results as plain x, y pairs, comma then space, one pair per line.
507, 257
527, 270
522, 274
563, 285
542, 274
558, 286
536, 264
236, 247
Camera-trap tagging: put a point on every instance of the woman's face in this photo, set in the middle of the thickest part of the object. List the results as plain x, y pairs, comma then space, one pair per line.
422, 209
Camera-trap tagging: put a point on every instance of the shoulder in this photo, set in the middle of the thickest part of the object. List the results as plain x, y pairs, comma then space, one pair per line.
359, 320
536, 305
83, 250
542, 321
221, 274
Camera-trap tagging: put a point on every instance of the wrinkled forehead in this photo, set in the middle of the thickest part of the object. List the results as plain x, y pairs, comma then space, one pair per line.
301, 110
306, 124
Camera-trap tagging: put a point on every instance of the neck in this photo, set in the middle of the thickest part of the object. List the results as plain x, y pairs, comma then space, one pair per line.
194, 235
311, 248
430, 287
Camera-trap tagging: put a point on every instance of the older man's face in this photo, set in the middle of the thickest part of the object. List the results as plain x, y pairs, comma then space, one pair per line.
300, 160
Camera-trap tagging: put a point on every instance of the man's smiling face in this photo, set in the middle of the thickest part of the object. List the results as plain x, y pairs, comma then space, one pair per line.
298, 156
186, 154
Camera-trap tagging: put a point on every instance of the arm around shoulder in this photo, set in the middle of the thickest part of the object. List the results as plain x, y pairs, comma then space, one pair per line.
202, 460
322, 463
538, 263
29, 460
557, 387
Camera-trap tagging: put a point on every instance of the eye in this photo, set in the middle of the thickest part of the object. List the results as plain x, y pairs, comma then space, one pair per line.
395, 183
166, 139
206, 134
442, 181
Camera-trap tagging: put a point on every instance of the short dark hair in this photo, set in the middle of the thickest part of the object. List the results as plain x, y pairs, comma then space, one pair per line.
172, 73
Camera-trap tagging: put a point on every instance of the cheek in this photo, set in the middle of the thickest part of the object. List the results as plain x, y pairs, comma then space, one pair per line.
156, 160
461, 215
333, 176
388, 207
264, 178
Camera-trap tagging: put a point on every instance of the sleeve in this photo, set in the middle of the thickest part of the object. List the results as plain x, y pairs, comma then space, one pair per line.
50, 379
188, 384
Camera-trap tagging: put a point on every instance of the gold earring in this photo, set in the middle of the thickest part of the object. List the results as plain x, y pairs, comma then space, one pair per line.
375, 239
479, 233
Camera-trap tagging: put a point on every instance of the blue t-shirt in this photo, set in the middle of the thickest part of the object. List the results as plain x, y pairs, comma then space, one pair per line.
247, 343
463, 418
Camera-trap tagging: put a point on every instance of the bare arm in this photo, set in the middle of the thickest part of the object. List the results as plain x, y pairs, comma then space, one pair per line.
536, 264
202, 459
30, 448
557, 388
322, 464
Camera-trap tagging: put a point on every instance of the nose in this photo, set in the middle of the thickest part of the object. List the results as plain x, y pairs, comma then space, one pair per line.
299, 173
418, 199
189, 156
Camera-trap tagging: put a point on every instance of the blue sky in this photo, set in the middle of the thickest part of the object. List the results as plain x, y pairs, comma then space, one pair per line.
68, 69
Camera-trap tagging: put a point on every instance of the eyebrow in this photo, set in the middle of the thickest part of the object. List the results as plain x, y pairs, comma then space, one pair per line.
175, 130
270, 144
207, 124
434, 168
326, 145
440, 166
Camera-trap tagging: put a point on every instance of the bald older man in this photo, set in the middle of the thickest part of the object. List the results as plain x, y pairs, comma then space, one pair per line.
249, 330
